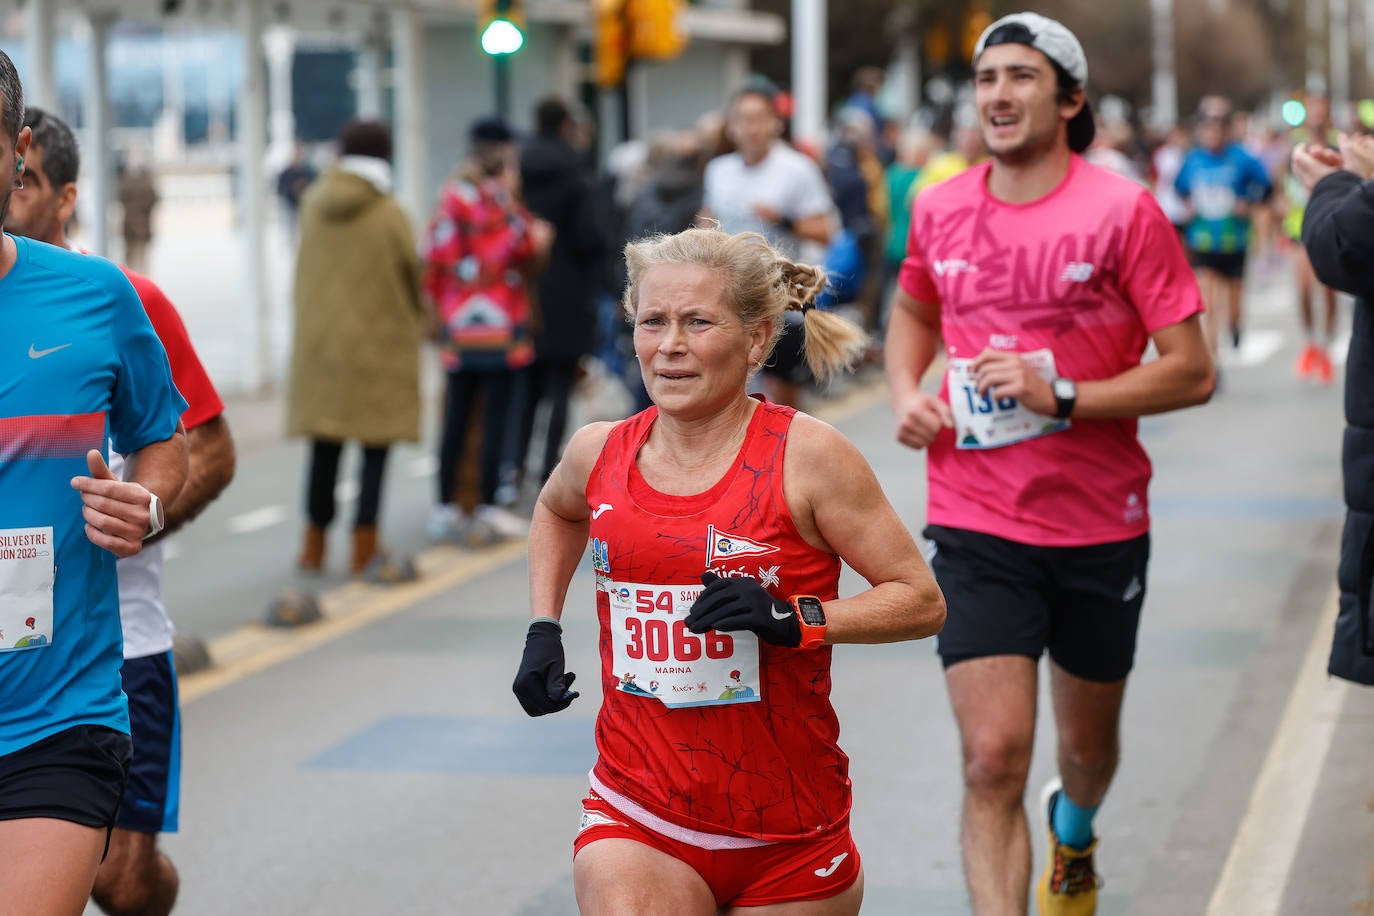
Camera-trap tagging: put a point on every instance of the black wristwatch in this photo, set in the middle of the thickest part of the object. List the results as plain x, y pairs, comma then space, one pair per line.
1065, 396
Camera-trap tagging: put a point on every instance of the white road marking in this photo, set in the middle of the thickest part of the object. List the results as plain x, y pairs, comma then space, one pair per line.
256, 520
1256, 348
1256, 871
1339, 348
347, 490
424, 466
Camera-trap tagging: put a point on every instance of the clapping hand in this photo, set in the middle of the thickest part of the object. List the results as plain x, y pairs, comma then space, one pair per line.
1312, 162
1357, 153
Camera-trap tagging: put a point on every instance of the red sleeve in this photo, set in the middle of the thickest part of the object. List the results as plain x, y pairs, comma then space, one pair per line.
914, 277
1155, 275
442, 245
202, 401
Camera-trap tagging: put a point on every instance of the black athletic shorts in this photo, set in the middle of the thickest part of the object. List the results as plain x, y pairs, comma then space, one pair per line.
788, 360
1230, 264
75, 775
1007, 598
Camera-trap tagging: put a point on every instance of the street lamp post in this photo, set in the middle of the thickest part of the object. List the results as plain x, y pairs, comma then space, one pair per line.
809, 69
1338, 29
1164, 82
1316, 65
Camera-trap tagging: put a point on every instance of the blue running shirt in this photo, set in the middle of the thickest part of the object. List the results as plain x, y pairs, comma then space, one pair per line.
79, 362
1213, 183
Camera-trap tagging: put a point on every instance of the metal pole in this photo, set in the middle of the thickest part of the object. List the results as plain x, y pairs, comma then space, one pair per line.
40, 85
369, 79
1164, 82
809, 70
1339, 32
623, 94
408, 42
252, 147
1316, 62
98, 120
500, 68
279, 44
1369, 46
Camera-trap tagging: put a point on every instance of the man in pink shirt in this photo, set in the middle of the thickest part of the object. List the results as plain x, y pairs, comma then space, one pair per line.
1045, 277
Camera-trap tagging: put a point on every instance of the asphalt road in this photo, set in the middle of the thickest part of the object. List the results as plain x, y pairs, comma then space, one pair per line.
377, 763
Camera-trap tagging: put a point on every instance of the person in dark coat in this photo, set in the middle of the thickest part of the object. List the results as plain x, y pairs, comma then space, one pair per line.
1338, 233
558, 188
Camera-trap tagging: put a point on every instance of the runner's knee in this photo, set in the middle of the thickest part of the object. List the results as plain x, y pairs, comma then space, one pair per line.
136, 880
996, 764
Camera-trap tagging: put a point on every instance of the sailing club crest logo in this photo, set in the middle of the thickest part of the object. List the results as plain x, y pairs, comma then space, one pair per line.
722, 545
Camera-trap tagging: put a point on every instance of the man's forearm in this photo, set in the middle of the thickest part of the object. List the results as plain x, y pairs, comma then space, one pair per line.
211, 467
908, 350
160, 467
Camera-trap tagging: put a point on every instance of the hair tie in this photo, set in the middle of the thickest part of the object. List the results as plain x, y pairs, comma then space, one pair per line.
806, 306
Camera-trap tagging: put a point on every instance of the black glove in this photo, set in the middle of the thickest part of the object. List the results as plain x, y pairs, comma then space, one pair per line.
540, 685
743, 604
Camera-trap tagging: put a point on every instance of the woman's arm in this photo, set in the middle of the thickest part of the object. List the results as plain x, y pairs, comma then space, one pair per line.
558, 530
838, 505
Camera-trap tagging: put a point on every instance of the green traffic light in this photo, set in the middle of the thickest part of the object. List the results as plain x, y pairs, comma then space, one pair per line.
1293, 112
501, 36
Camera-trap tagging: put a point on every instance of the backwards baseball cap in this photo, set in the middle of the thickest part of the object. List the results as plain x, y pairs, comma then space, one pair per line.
1055, 41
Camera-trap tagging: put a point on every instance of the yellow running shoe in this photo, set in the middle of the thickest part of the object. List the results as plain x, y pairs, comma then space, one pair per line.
1068, 886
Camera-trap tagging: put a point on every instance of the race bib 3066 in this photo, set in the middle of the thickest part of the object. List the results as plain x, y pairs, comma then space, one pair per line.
657, 657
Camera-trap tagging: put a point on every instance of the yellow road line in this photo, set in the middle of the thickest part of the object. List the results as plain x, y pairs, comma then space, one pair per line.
256, 647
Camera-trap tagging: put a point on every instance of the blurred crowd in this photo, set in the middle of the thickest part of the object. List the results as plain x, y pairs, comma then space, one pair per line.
519, 276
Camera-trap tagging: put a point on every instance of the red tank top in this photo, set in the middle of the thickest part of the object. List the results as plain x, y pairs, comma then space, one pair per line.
721, 733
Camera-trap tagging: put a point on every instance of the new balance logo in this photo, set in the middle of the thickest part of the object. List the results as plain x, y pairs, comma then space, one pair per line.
952, 267
1077, 272
834, 864
604, 507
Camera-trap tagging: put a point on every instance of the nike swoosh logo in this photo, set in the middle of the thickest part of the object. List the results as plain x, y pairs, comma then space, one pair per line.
604, 507
784, 616
39, 354
834, 864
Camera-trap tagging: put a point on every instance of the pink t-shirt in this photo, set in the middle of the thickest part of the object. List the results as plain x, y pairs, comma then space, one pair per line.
1089, 272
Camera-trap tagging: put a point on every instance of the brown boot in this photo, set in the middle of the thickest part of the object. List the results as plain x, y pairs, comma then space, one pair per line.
312, 551
364, 547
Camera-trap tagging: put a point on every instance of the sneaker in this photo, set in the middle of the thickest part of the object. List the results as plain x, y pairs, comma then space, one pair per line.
1322, 370
1068, 886
446, 522
1307, 361
503, 521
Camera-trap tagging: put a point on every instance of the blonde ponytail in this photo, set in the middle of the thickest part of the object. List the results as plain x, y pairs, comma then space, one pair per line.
833, 343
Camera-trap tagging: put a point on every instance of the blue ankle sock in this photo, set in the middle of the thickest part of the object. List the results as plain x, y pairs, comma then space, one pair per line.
1072, 824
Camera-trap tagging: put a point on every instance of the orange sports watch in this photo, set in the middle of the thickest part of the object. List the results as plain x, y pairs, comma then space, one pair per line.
811, 616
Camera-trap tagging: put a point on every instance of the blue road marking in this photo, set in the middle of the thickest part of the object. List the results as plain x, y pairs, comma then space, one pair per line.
466, 745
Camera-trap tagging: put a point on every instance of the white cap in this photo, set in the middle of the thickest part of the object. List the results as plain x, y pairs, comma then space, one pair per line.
1047, 36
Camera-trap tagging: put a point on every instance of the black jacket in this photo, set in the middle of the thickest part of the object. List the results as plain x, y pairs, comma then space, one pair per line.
1338, 233
558, 187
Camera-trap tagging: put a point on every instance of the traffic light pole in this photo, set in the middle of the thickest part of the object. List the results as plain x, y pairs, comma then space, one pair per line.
623, 92
500, 64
